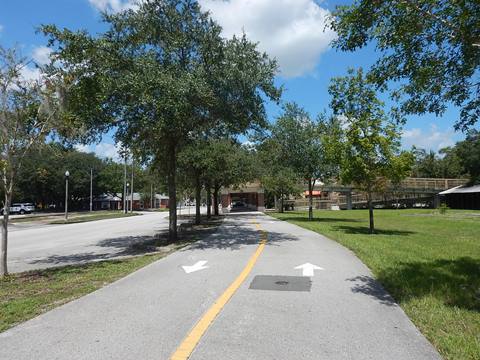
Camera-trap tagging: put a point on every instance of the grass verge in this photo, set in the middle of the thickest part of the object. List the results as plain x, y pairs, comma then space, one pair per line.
429, 262
26, 295
93, 217
74, 217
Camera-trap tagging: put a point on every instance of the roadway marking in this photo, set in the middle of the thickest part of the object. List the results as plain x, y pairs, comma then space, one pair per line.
308, 269
199, 265
187, 346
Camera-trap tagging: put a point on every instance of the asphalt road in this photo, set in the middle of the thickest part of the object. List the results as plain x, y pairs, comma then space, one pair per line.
338, 313
34, 246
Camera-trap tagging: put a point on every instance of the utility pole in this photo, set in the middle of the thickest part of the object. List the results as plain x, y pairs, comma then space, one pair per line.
151, 195
131, 189
91, 189
125, 184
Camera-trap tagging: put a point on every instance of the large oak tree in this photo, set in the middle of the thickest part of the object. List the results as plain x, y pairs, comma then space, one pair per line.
161, 74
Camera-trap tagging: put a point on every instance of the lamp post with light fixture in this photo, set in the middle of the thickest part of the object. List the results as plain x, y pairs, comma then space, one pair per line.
67, 175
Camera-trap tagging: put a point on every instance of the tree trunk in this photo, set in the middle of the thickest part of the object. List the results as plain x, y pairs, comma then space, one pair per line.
198, 199
282, 207
370, 214
6, 215
216, 189
172, 193
209, 200
310, 199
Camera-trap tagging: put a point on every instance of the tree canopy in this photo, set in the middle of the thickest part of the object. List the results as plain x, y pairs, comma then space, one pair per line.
429, 49
371, 144
29, 112
160, 75
304, 146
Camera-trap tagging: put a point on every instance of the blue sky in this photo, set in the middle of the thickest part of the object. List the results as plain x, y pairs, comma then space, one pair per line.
290, 30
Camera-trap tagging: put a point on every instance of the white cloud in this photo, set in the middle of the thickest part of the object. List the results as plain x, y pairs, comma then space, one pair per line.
432, 139
29, 73
106, 150
293, 31
103, 150
41, 55
82, 148
1, 28
113, 5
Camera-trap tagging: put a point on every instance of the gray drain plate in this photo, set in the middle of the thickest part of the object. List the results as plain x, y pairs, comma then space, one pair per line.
281, 283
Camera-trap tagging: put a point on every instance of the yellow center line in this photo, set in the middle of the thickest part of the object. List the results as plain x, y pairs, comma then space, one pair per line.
187, 346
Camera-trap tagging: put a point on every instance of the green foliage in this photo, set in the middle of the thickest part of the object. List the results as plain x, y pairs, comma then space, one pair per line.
303, 149
445, 164
29, 113
371, 147
459, 161
41, 178
160, 75
468, 152
277, 177
223, 162
443, 208
429, 49
302, 143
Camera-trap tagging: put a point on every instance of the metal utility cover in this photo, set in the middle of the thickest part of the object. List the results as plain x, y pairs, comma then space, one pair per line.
281, 283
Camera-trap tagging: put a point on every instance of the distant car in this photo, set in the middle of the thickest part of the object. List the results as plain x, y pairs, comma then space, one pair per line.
399, 205
420, 205
238, 204
379, 206
20, 208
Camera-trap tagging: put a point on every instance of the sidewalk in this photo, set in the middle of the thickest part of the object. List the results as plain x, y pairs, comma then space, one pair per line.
344, 315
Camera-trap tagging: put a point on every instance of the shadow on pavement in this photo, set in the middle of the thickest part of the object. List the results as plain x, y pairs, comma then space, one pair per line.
127, 246
237, 231
369, 286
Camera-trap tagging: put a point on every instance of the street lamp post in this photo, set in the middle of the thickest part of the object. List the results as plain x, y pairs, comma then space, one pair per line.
91, 190
67, 175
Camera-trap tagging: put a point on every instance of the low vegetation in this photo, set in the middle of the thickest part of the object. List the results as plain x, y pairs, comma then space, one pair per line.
103, 215
428, 261
29, 294
75, 217
26, 295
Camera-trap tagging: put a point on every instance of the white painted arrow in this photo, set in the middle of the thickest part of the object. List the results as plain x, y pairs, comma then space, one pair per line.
199, 265
308, 269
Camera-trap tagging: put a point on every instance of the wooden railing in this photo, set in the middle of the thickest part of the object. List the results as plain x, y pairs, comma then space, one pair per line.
431, 184
419, 184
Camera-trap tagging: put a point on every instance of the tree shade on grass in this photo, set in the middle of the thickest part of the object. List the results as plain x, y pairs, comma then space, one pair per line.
430, 263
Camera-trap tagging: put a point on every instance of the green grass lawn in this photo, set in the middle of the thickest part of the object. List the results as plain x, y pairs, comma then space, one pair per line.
94, 216
26, 295
429, 262
73, 217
